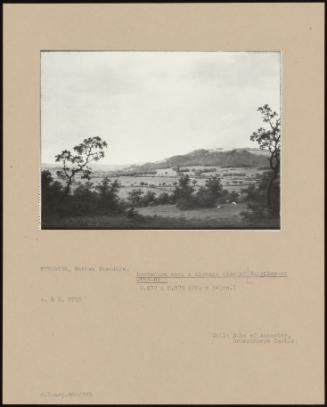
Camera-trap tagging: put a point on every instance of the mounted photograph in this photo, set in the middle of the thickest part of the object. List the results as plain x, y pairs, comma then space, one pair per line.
160, 140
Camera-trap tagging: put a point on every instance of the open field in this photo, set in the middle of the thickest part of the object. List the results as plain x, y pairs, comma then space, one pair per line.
164, 180
165, 217
226, 212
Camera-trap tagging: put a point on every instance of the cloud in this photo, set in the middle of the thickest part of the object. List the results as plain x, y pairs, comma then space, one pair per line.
150, 105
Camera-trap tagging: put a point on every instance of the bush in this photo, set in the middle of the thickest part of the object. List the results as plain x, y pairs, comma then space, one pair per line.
183, 191
84, 200
108, 200
256, 197
51, 193
207, 196
148, 199
164, 198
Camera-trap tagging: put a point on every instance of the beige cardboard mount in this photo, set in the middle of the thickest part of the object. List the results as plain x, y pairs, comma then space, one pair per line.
115, 343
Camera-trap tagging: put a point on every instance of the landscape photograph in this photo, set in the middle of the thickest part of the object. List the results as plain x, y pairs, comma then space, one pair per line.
160, 140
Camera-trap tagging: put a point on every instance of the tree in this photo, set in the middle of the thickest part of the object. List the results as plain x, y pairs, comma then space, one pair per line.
51, 193
269, 139
163, 198
234, 196
183, 192
149, 198
91, 149
208, 195
108, 194
135, 196
84, 200
251, 193
213, 184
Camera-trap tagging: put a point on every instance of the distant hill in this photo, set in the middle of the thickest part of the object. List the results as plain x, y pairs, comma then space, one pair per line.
94, 166
240, 157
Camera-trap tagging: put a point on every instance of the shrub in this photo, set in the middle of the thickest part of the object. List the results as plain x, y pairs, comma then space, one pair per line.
256, 197
164, 198
108, 200
148, 199
51, 193
135, 197
83, 201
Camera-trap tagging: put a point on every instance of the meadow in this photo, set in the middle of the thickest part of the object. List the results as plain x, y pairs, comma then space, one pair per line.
165, 180
165, 217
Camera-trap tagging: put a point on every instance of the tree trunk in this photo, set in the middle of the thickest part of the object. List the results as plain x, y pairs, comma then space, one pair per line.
65, 193
270, 185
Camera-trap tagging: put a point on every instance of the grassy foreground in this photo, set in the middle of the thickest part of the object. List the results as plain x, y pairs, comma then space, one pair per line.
164, 217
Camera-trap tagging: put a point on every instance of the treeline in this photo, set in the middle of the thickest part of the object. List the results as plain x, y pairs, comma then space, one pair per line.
103, 199
57, 201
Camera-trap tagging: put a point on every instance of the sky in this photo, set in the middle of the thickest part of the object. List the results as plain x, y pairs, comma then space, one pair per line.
149, 106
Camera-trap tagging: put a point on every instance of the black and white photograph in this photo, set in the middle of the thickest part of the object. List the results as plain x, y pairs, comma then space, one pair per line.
160, 140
